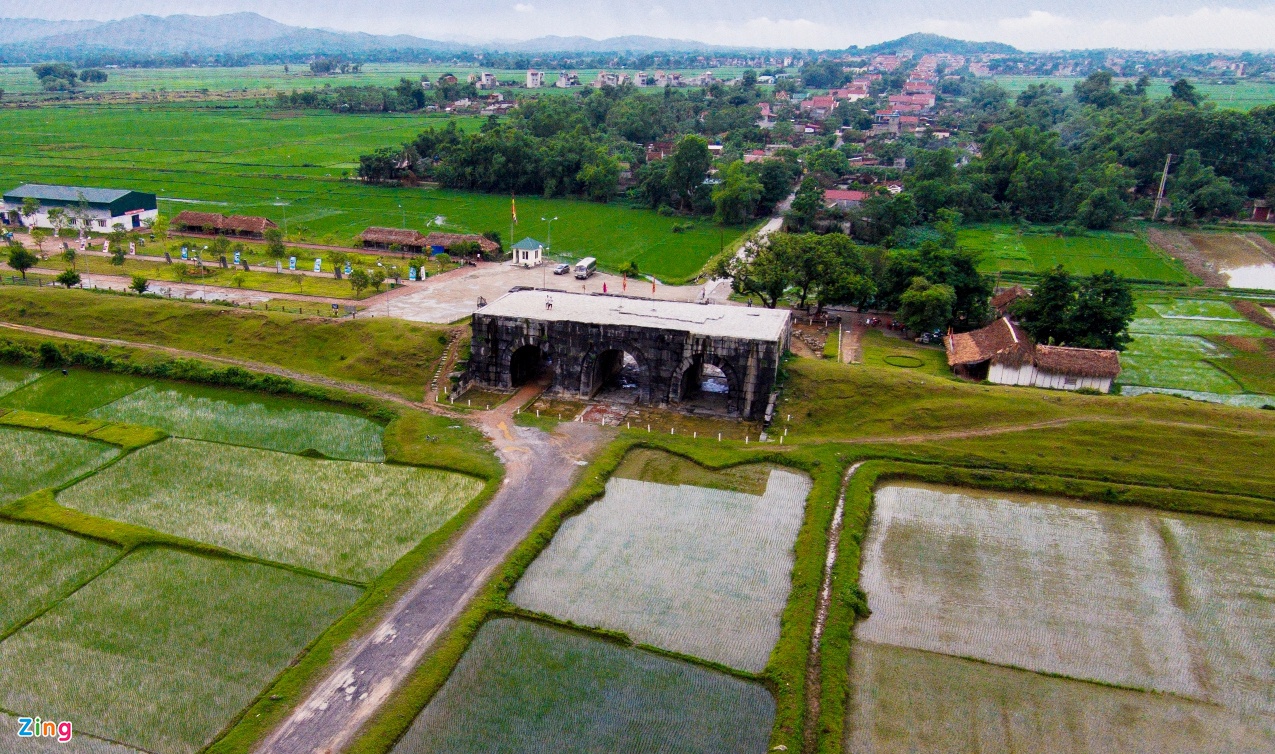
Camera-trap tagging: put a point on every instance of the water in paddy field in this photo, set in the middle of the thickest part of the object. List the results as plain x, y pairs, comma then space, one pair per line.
1242, 261
985, 606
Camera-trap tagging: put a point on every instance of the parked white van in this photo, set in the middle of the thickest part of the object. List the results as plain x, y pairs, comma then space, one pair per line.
585, 268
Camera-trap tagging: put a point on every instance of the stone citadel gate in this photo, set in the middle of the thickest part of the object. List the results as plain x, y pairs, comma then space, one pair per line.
664, 348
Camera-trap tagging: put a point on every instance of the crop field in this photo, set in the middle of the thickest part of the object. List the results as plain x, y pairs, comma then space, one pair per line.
881, 350
74, 394
524, 687
163, 650
1243, 95
699, 571
39, 565
1005, 250
647, 465
1243, 262
1179, 345
906, 700
1122, 596
38, 460
12, 378
289, 166
252, 419
351, 520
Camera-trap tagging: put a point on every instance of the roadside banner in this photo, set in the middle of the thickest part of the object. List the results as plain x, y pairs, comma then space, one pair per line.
132, 247
348, 268
318, 265
292, 263
236, 259
411, 273
185, 253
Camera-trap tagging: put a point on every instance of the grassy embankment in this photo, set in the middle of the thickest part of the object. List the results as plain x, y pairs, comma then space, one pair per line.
252, 160
1021, 256
386, 354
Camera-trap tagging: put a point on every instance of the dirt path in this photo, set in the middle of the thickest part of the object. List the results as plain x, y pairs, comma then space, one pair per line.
814, 676
851, 343
539, 468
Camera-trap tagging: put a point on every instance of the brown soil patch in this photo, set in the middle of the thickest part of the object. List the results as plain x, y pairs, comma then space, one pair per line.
1176, 244
1241, 343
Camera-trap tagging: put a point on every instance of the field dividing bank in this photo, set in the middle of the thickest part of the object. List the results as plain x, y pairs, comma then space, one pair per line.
1006, 249
39, 566
37, 460
248, 160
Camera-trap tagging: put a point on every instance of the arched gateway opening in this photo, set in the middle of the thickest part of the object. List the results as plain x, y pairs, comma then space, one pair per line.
615, 375
526, 365
708, 384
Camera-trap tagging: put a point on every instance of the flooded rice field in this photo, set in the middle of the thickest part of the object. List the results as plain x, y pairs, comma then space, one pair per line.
1125, 597
1242, 259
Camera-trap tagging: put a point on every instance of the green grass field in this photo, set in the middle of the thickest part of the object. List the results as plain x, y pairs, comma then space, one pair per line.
1244, 95
213, 274
351, 520
76, 393
1004, 250
39, 565
385, 353
699, 571
37, 460
523, 687
164, 649
882, 351
233, 417
251, 160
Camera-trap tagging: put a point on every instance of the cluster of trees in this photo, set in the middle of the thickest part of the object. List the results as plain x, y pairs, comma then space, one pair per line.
1094, 157
1091, 312
406, 97
579, 146
62, 77
334, 65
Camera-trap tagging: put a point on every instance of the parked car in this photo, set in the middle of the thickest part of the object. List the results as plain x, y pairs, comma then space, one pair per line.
561, 269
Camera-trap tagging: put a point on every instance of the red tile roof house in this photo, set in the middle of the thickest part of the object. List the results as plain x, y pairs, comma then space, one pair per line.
819, 107
843, 199
1003, 354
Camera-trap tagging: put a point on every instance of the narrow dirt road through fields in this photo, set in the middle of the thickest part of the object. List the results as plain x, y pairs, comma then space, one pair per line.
539, 468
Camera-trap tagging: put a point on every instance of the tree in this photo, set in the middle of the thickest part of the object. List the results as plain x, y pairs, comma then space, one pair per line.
600, 176
69, 278
1183, 91
58, 219
93, 76
806, 205
376, 278
1046, 314
763, 271
69, 255
40, 235
160, 227
274, 244
924, 307
1103, 312
30, 208
20, 259
1096, 90
846, 277
735, 199
220, 246
688, 166
139, 284
1206, 194
359, 281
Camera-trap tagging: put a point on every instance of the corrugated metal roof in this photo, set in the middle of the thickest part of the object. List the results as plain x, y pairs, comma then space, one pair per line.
748, 323
67, 193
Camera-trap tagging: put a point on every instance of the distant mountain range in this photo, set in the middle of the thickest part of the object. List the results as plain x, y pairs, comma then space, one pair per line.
252, 34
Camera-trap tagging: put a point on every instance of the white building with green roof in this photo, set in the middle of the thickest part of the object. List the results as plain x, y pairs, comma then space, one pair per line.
528, 252
94, 209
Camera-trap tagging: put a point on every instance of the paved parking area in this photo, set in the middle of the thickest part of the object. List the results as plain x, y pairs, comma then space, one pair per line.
454, 295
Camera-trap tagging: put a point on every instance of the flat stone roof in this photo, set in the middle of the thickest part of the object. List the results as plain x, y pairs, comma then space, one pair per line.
716, 320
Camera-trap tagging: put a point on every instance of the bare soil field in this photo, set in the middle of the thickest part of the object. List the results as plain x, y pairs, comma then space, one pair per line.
1243, 262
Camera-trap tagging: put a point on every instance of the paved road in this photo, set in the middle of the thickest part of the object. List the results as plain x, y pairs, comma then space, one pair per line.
538, 470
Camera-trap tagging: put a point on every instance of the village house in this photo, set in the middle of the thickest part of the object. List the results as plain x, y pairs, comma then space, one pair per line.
535, 79
1002, 353
1003, 300
843, 198
211, 222
818, 107
528, 253
566, 80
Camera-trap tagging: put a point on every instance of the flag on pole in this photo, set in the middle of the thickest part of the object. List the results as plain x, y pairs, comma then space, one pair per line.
652, 286
513, 208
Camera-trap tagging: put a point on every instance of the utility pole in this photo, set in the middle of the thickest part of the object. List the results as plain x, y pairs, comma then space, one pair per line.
1164, 178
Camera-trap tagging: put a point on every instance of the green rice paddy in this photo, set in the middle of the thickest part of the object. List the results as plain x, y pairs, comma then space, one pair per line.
254, 161
81, 744
12, 378
39, 460
164, 649
350, 520
39, 565
699, 571
73, 394
523, 687
1005, 250
1242, 95
259, 421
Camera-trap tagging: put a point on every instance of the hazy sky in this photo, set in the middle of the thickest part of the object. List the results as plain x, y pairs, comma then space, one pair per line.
1039, 24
